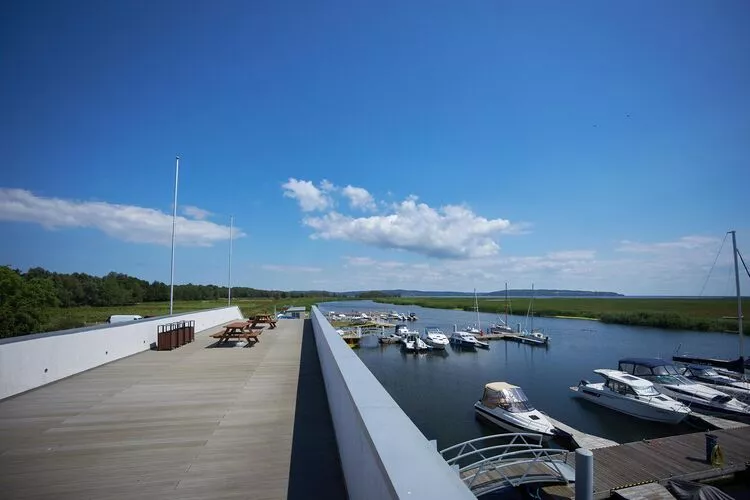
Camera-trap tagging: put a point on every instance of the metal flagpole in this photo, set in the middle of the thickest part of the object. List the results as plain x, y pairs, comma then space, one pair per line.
229, 284
174, 223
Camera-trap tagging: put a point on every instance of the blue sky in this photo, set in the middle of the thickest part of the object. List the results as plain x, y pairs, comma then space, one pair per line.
431, 145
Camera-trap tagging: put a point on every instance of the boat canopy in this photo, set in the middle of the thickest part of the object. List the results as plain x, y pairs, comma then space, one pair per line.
506, 396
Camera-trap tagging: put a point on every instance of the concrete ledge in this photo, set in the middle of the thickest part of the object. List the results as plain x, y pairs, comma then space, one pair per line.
383, 454
32, 361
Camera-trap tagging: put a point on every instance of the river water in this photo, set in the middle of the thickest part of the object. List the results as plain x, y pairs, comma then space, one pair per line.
437, 391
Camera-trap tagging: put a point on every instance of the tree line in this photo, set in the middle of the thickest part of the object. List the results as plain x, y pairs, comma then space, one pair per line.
26, 298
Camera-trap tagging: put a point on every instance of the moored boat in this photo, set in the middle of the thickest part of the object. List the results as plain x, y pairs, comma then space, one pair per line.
632, 396
699, 397
506, 406
435, 338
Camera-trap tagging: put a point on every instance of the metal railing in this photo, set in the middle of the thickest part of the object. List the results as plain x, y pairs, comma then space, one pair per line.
518, 459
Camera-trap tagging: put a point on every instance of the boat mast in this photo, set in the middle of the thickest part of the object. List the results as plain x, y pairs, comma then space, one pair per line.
506, 303
739, 299
531, 308
476, 309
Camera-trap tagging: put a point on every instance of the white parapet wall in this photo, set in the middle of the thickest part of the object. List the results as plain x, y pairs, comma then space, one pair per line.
31, 361
383, 454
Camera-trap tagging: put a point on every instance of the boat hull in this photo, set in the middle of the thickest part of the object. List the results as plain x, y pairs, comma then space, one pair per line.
462, 343
511, 426
630, 407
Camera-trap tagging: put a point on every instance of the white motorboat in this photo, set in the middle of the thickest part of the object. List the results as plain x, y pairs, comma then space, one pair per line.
632, 396
435, 338
699, 397
709, 376
507, 406
403, 331
412, 343
465, 339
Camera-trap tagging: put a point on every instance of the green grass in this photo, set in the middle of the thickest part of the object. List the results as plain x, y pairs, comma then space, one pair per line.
687, 314
74, 317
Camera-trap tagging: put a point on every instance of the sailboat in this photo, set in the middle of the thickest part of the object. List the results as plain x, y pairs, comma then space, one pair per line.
503, 326
476, 328
532, 336
740, 364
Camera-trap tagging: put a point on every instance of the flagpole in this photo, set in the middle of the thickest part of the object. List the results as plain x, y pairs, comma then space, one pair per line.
174, 223
229, 284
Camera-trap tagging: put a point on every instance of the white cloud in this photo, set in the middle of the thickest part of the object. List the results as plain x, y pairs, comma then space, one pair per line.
327, 186
452, 231
195, 212
359, 198
124, 222
684, 243
572, 255
307, 195
290, 269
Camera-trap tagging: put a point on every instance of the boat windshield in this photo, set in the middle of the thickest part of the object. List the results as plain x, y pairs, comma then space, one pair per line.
670, 380
709, 372
512, 400
646, 391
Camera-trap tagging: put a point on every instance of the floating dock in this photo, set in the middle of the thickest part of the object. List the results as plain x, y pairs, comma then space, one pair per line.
581, 439
659, 460
708, 422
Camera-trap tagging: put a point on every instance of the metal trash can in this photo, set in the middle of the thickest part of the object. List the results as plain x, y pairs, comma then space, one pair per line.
181, 334
712, 440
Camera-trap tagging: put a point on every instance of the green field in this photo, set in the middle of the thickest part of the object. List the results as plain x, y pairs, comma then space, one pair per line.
74, 317
684, 314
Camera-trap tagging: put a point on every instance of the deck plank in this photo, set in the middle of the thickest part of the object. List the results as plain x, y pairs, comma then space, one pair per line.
194, 422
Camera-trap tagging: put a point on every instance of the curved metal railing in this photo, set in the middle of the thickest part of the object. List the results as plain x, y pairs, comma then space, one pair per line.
518, 459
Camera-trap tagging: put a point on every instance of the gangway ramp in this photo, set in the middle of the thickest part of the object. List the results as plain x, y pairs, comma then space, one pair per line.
500, 461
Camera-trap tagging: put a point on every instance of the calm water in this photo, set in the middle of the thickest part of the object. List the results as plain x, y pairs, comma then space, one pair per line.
437, 391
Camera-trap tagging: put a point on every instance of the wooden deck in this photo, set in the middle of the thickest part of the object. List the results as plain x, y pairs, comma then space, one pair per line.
657, 460
191, 423
583, 440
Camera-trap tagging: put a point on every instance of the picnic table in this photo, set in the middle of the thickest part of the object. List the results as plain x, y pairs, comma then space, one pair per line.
264, 318
240, 330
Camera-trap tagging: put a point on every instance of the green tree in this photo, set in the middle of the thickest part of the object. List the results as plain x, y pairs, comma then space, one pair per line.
24, 304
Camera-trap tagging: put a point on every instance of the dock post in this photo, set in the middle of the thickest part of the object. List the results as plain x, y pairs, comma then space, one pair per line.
584, 484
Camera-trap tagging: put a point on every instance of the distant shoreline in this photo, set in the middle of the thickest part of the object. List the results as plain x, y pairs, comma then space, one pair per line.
576, 317
700, 314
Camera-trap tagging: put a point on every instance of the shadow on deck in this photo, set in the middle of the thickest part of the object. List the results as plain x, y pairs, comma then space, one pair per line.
315, 470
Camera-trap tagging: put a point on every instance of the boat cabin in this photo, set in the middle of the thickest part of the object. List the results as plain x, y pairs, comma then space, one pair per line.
506, 396
626, 384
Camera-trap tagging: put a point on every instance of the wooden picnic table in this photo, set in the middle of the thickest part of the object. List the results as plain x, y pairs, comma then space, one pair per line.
264, 318
241, 330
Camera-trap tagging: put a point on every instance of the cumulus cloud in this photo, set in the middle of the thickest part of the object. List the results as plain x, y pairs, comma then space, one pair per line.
290, 269
309, 197
195, 212
359, 198
124, 222
452, 231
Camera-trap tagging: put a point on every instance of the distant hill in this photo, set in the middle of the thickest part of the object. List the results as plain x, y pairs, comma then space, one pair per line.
498, 293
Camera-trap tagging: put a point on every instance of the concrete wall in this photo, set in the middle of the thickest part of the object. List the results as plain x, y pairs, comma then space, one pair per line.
31, 361
383, 454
